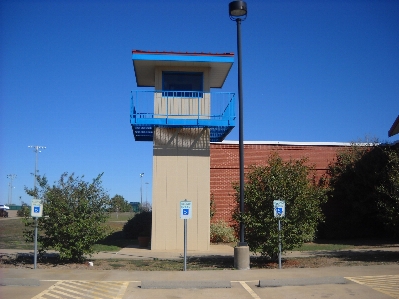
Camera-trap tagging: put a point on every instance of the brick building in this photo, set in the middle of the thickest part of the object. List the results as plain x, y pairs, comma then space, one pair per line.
224, 164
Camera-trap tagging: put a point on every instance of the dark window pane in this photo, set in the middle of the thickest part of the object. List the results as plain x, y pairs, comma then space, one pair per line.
178, 83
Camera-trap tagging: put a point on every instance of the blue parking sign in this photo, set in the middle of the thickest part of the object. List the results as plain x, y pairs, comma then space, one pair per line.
185, 209
279, 208
36, 208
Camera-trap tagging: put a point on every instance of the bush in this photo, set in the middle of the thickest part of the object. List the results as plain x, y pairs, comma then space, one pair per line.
363, 201
24, 211
138, 226
77, 212
222, 233
292, 181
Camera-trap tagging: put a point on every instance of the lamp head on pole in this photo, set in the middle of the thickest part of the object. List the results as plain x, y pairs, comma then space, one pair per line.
141, 174
238, 10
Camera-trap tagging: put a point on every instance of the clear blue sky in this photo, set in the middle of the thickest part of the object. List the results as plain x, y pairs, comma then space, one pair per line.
312, 71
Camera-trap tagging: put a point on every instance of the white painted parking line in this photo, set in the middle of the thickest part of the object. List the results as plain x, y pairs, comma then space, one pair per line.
248, 288
71, 289
387, 284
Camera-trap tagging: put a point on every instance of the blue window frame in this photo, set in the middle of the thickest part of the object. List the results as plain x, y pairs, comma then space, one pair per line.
182, 84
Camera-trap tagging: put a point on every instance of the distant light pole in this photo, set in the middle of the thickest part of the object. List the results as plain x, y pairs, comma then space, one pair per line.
37, 149
11, 177
141, 189
146, 189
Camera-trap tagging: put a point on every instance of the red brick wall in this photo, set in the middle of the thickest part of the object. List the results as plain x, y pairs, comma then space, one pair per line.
225, 166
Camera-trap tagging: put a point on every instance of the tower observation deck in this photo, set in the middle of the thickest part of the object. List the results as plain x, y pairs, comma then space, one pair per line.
182, 96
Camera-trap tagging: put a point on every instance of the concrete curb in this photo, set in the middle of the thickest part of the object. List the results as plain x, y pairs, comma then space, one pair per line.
147, 284
19, 282
301, 281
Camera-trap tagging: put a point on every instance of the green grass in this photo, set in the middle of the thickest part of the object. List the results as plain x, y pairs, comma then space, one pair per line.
120, 216
316, 246
116, 240
11, 236
345, 244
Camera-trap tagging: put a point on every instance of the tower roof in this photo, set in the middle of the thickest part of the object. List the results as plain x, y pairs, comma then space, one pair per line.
144, 63
395, 128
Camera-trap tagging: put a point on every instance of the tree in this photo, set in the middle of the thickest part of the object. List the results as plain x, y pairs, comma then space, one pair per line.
292, 181
388, 204
119, 204
363, 201
74, 213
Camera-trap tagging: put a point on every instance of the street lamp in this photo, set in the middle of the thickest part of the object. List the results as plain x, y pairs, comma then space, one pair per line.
141, 189
238, 13
10, 187
37, 149
146, 189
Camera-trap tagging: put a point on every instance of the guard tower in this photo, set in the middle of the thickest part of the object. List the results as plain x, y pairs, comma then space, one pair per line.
181, 116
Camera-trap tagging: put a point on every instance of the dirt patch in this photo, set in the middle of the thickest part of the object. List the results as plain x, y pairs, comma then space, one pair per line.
204, 263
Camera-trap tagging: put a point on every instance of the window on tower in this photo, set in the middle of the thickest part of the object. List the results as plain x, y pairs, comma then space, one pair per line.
182, 84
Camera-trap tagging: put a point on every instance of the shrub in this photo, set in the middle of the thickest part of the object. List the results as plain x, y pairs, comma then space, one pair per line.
77, 212
24, 211
222, 233
363, 201
138, 226
292, 181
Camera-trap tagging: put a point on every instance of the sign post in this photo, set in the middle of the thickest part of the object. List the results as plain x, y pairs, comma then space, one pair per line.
36, 211
185, 213
279, 211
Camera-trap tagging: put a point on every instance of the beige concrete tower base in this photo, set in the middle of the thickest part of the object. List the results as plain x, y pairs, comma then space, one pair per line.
180, 171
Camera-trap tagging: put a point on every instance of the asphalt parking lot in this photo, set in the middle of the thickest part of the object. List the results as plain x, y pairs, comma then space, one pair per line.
364, 282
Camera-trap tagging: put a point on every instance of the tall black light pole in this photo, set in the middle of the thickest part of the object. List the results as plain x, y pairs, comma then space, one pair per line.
238, 13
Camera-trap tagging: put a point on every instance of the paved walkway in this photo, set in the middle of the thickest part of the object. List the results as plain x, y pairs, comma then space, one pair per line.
216, 251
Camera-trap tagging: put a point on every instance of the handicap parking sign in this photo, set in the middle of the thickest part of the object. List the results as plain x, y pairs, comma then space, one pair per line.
279, 208
36, 208
185, 209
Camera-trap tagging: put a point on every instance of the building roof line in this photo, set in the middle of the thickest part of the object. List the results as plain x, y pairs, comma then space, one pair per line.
290, 143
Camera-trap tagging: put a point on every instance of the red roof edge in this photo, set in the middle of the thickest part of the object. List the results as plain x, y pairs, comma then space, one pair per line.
181, 53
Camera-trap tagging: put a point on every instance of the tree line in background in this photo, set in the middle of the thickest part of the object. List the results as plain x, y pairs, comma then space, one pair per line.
357, 198
119, 204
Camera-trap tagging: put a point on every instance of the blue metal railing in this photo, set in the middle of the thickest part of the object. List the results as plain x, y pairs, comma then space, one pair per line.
221, 106
148, 109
